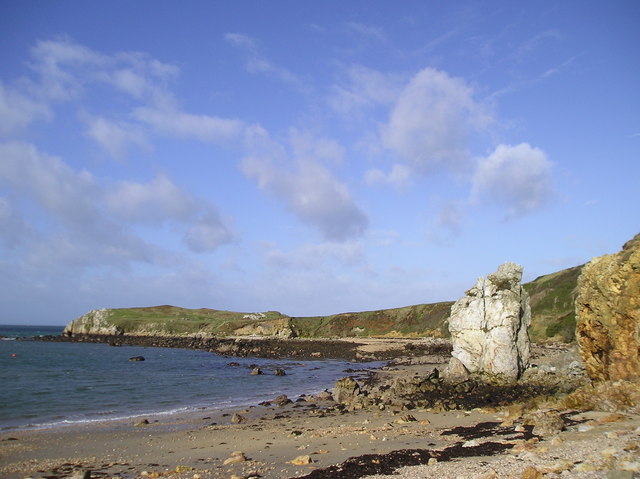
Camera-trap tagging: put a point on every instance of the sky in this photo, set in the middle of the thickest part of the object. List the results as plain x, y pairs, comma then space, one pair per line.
308, 157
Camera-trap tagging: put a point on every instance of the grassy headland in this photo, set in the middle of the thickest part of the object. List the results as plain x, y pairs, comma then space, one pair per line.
552, 306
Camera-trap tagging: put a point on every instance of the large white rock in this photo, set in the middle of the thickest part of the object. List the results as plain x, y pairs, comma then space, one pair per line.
489, 325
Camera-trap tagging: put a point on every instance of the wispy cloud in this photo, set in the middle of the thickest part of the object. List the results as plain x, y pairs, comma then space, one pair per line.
256, 62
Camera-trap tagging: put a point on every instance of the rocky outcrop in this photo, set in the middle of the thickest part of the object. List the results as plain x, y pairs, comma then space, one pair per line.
608, 315
280, 328
94, 322
489, 326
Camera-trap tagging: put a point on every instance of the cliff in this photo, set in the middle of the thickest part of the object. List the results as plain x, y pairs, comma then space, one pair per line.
608, 312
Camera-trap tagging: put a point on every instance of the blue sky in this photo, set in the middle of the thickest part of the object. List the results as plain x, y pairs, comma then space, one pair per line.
308, 157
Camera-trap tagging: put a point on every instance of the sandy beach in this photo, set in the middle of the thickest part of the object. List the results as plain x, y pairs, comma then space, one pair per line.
318, 438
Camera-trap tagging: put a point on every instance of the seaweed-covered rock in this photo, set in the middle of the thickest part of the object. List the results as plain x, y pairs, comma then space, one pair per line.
608, 315
489, 325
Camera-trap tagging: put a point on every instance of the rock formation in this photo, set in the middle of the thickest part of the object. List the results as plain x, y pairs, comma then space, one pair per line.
608, 315
489, 326
94, 322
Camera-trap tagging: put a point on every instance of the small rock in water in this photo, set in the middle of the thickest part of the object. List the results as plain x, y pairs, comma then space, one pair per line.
136, 358
256, 371
280, 372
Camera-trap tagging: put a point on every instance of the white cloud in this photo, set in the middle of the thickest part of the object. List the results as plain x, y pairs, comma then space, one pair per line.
115, 137
314, 256
188, 126
153, 202
312, 193
307, 146
82, 224
431, 123
364, 88
49, 181
516, 177
55, 60
399, 176
14, 230
18, 111
161, 200
208, 232
306, 186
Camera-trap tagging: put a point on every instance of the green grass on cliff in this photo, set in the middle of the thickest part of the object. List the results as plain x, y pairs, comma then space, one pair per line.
174, 320
552, 308
413, 321
553, 305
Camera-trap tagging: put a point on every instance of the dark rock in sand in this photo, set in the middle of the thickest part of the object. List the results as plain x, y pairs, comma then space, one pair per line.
282, 400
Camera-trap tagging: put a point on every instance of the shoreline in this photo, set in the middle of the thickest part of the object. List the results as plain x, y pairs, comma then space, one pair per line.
357, 349
232, 374
317, 438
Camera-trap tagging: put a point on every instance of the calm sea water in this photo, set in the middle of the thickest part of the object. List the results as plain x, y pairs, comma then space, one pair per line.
47, 384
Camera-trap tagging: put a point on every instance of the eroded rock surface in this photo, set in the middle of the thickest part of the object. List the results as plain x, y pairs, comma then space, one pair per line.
608, 315
489, 325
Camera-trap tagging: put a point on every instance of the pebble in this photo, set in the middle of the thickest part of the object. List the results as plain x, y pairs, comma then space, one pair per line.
301, 460
585, 427
236, 457
432, 461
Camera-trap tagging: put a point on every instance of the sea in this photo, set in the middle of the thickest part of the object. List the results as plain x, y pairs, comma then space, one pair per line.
50, 384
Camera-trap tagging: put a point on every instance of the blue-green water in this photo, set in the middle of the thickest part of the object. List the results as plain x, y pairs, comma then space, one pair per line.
48, 384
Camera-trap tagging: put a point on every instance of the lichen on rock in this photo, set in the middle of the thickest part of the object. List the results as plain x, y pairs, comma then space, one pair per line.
489, 326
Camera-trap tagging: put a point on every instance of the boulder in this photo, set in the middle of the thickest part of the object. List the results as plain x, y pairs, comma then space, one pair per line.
489, 324
345, 390
608, 315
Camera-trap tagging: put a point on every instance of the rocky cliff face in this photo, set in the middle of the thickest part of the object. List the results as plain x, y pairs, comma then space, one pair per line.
276, 327
93, 322
608, 315
489, 325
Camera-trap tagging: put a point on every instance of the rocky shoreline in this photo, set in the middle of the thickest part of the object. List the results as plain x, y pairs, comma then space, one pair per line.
348, 349
401, 419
